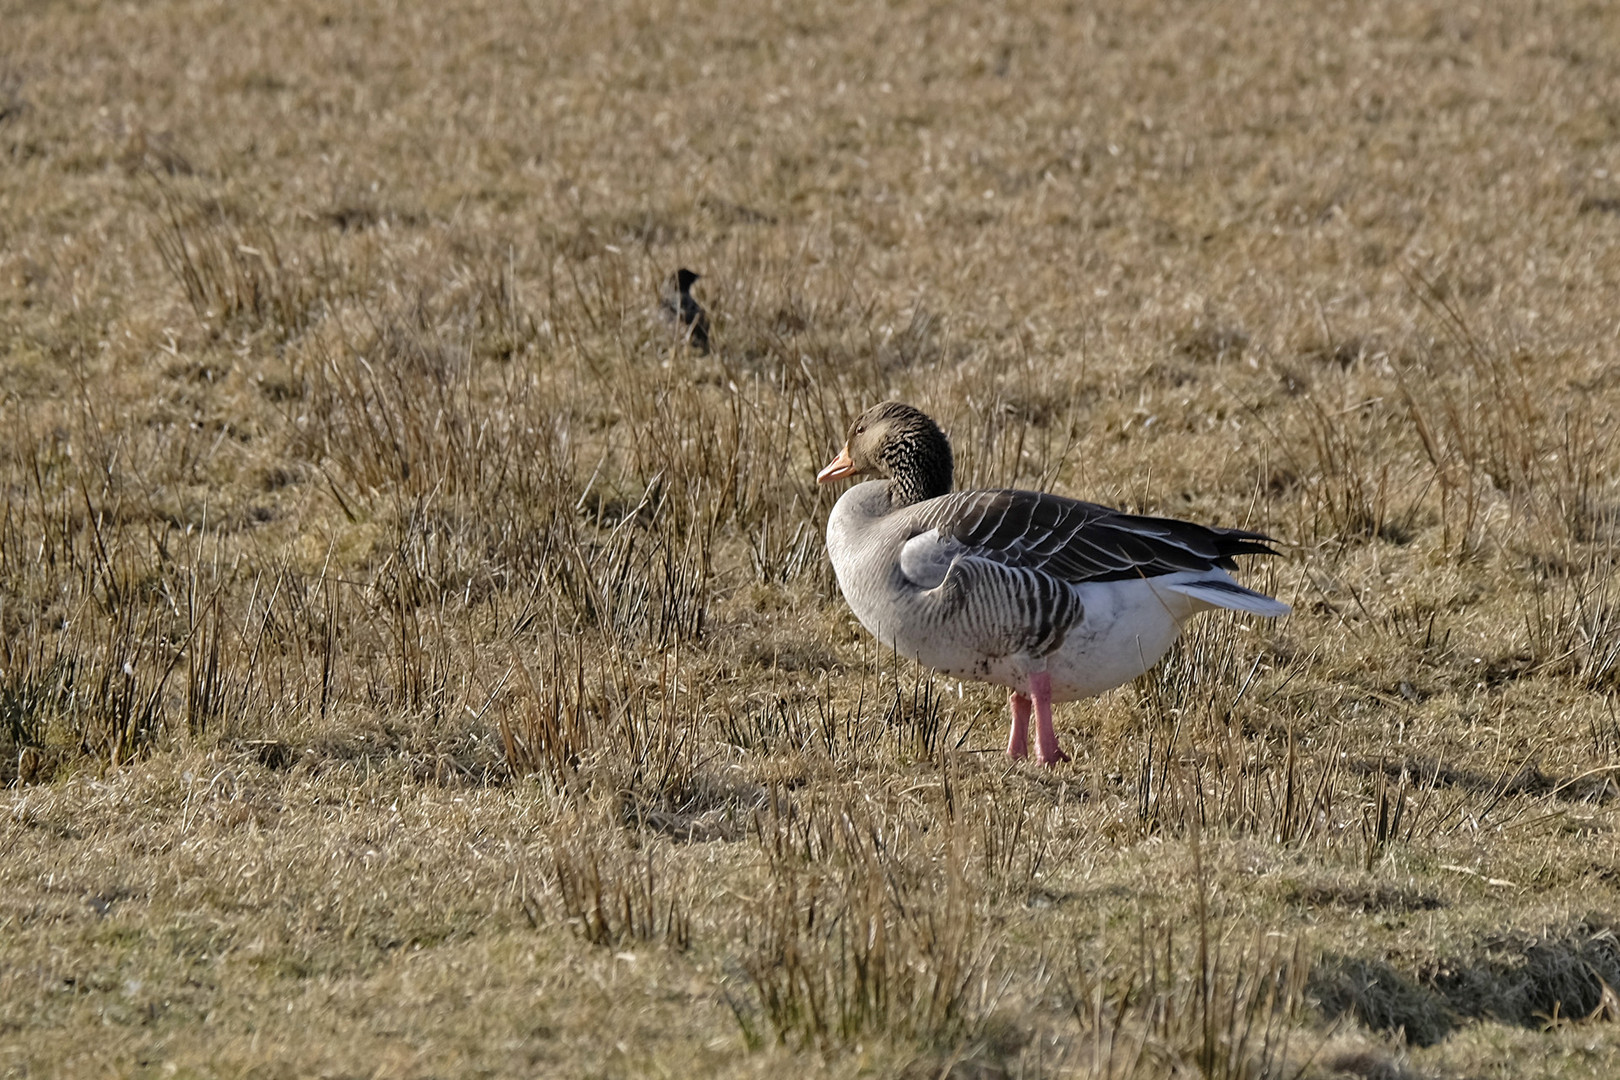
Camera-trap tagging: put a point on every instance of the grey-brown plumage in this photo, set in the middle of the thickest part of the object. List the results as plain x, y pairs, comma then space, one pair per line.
1051, 597
1072, 540
677, 307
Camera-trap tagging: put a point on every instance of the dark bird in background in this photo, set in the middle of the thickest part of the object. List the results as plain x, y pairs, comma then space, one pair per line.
677, 307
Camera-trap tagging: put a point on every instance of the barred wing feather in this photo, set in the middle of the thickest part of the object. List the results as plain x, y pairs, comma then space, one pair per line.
1076, 541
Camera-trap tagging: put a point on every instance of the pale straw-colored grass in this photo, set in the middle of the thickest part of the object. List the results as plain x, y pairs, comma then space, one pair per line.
413, 663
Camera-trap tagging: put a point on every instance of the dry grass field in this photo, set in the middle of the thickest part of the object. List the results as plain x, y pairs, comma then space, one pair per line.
414, 663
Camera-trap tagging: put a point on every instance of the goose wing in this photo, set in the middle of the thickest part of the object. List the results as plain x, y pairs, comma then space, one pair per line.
1070, 540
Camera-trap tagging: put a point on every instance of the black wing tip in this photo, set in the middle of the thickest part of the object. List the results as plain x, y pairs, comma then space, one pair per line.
1220, 544
1226, 541
1232, 542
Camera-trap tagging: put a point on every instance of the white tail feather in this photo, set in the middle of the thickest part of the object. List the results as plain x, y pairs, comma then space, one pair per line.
1232, 596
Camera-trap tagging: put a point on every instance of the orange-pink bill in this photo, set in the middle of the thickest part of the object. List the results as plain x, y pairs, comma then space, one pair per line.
841, 466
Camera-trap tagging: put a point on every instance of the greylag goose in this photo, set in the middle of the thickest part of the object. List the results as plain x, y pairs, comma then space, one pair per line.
676, 306
1053, 598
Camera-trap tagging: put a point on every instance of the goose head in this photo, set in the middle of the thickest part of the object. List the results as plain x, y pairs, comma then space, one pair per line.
900, 443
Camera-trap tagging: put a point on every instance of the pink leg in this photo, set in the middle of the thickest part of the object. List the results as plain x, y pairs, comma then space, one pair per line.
1046, 744
1018, 738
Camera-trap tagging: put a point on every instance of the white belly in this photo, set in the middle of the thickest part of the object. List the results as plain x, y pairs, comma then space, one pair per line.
1127, 627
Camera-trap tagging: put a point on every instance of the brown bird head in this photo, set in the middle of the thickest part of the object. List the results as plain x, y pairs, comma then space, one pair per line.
901, 443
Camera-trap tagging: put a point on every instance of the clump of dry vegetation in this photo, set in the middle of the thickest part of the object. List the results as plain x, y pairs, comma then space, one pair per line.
414, 661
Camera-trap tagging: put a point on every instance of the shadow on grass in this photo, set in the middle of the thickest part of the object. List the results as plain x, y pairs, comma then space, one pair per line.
1597, 787
1524, 980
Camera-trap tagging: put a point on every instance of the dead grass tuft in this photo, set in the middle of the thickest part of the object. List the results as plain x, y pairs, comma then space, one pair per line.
866, 942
